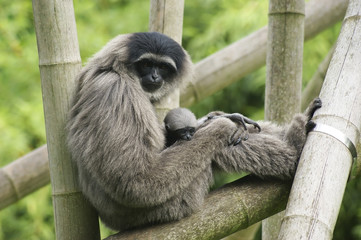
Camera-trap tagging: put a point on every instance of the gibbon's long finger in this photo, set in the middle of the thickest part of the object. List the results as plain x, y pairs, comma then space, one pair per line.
234, 117
250, 121
243, 120
240, 119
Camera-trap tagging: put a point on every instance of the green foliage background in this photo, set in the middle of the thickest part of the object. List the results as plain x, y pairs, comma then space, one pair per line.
209, 25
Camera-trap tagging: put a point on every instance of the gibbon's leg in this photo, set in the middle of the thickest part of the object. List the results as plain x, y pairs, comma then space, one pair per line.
179, 206
274, 152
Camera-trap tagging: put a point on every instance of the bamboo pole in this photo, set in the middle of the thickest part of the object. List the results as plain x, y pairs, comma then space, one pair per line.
248, 54
59, 62
329, 14
284, 74
313, 89
284, 60
24, 176
226, 210
166, 16
325, 163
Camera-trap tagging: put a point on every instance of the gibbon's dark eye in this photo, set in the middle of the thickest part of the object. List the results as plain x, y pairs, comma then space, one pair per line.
192, 131
147, 64
166, 70
164, 66
185, 133
144, 66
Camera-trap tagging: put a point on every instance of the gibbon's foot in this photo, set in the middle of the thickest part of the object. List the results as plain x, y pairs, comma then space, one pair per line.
315, 104
240, 119
310, 125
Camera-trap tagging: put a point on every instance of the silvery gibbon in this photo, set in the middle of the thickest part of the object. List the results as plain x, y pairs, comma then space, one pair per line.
117, 143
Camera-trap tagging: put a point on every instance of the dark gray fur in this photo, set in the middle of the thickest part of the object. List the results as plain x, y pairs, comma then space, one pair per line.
117, 144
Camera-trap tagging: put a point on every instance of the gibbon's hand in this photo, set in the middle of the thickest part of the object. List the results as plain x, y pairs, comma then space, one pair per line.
239, 119
238, 136
310, 111
240, 133
222, 129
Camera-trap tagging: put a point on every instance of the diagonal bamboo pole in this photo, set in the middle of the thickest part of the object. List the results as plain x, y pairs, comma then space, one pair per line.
325, 163
313, 89
284, 74
233, 207
59, 62
24, 176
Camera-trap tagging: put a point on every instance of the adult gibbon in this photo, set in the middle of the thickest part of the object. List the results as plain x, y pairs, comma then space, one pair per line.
118, 145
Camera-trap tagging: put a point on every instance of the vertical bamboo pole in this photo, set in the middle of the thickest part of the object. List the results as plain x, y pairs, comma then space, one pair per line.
59, 62
166, 16
284, 74
284, 59
325, 163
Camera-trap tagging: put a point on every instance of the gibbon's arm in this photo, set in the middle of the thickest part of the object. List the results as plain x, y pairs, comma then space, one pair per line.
175, 168
262, 155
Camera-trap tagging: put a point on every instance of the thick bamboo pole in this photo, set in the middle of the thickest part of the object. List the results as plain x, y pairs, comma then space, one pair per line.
284, 74
59, 62
233, 207
248, 54
313, 89
325, 163
315, 23
166, 16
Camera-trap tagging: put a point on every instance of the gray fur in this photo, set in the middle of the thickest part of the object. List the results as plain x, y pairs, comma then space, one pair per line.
117, 145
179, 118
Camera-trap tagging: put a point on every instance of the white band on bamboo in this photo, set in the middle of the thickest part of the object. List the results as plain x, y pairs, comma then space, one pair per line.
339, 136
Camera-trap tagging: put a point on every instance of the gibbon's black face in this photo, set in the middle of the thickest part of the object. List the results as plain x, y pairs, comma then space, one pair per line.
185, 133
153, 73
157, 59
